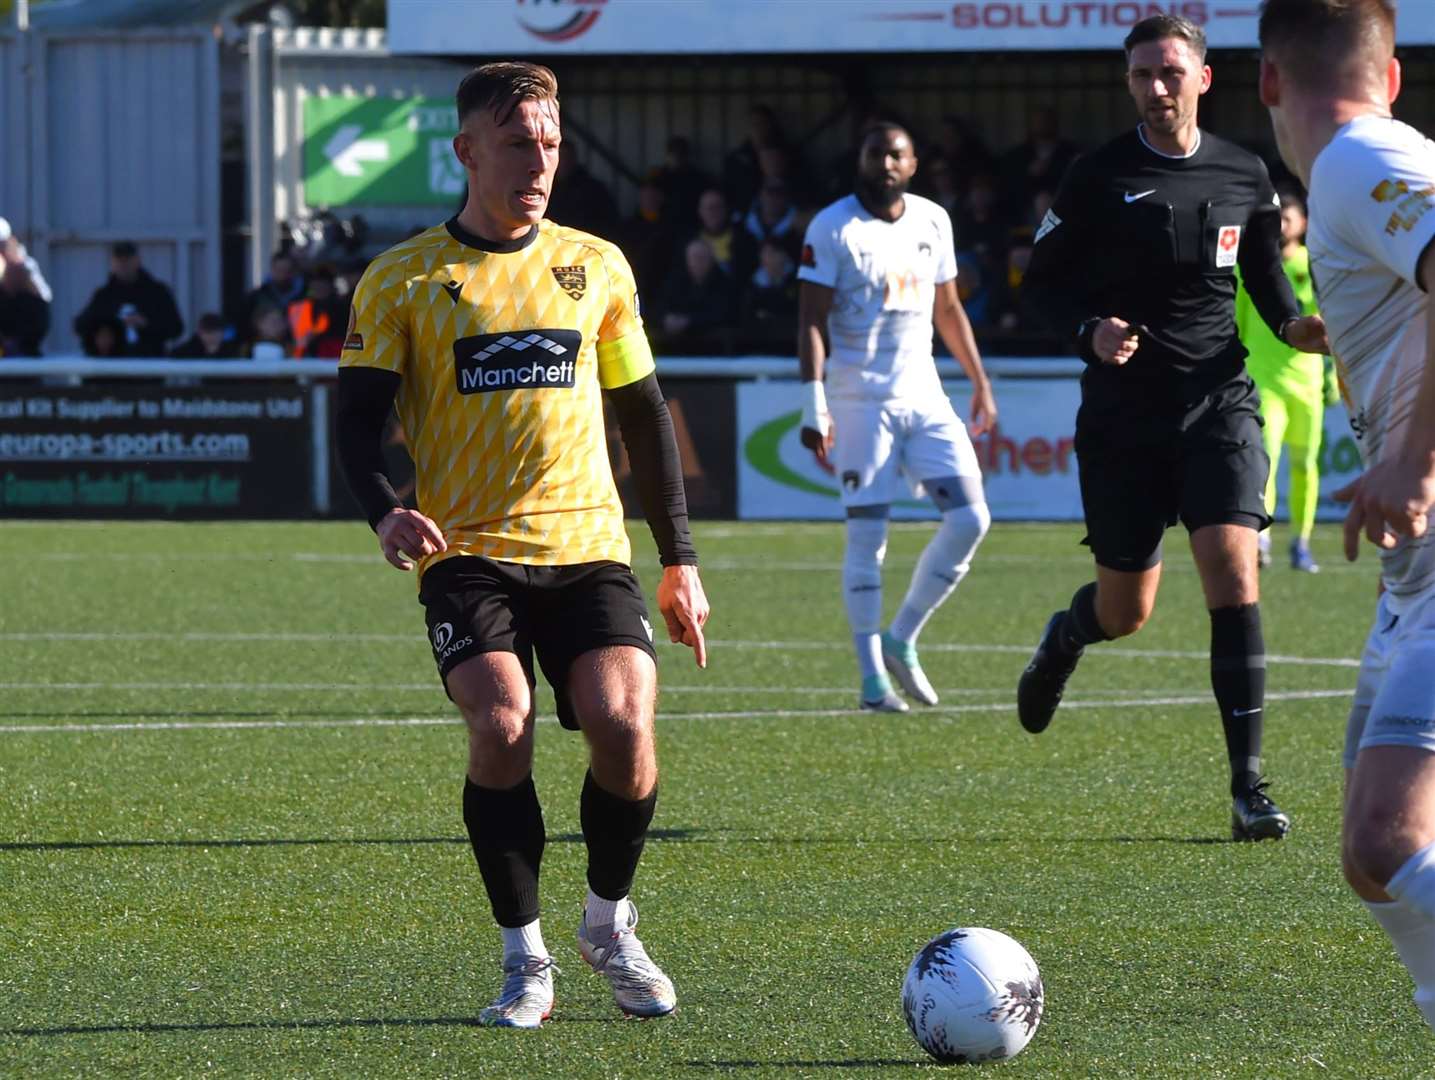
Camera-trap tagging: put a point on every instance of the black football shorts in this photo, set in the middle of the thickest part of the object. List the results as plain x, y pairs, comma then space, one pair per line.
474, 605
1144, 468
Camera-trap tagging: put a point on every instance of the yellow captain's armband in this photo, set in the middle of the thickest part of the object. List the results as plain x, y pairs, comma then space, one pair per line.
625, 360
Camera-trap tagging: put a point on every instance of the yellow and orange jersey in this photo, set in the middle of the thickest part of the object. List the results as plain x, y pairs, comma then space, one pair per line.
502, 350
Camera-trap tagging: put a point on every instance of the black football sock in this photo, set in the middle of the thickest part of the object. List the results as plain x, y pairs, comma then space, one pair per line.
1081, 627
505, 827
1238, 676
614, 830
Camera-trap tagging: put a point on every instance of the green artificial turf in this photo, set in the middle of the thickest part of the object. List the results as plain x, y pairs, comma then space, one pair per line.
233, 842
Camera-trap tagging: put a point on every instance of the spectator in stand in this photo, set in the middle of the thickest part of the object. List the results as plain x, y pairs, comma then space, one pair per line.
742, 171
1039, 163
942, 186
773, 218
24, 298
983, 234
647, 239
578, 198
769, 307
965, 153
732, 246
140, 301
104, 338
682, 182
281, 288
270, 338
698, 306
319, 322
208, 342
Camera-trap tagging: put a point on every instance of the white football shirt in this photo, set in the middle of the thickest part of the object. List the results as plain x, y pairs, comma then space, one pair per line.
883, 275
1372, 213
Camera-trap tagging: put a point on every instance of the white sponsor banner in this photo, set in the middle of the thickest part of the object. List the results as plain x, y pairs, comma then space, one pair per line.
503, 27
1028, 463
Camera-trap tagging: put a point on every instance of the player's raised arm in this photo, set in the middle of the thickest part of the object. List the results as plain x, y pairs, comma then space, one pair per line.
814, 304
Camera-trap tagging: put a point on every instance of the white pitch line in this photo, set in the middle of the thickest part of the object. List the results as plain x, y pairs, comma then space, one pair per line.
742, 714
720, 643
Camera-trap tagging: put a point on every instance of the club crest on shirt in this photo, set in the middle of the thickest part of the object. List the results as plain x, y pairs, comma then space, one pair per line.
1228, 242
571, 279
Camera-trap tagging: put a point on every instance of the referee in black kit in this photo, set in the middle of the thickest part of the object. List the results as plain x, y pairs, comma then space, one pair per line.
1137, 259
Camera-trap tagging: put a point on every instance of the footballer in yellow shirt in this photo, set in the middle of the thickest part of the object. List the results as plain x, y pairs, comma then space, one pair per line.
496, 336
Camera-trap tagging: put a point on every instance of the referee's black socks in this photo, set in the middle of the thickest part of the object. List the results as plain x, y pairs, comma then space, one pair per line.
1081, 628
1238, 676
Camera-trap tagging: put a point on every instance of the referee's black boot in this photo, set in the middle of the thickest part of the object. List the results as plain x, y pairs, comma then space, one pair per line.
1255, 817
1044, 680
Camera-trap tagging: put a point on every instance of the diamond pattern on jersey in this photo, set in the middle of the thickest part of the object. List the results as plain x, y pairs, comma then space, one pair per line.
516, 472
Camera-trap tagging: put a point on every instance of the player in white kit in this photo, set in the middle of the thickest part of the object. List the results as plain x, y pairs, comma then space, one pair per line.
1329, 75
878, 270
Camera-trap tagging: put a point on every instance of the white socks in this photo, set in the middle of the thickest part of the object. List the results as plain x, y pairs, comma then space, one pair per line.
1413, 936
862, 588
944, 562
1414, 883
600, 916
521, 943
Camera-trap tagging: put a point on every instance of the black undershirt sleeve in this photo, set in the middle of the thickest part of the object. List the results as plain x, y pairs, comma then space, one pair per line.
647, 431
365, 397
1261, 271
1056, 291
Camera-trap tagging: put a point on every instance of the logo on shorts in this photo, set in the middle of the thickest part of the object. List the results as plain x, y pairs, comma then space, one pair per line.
646, 626
444, 645
533, 360
571, 279
850, 480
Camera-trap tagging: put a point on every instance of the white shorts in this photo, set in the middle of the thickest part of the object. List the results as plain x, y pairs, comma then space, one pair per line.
1395, 696
878, 442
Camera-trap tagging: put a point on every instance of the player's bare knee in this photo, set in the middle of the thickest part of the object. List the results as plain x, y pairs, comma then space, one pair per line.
1378, 840
1123, 617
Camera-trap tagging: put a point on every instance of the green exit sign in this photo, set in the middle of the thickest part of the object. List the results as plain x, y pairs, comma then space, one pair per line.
381, 152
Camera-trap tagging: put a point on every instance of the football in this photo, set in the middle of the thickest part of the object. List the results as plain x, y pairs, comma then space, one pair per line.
972, 995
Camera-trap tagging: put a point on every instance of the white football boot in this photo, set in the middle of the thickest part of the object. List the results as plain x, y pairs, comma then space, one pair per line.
526, 999
639, 986
900, 658
878, 695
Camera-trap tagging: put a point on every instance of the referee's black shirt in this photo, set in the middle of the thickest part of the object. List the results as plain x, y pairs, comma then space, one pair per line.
1155, 240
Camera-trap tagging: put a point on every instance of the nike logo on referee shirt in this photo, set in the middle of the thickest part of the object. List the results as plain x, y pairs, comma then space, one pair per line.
1139, 195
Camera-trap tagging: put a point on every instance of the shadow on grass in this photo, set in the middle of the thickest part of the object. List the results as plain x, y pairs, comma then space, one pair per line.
687, 836
280, 1025
851, 1063
655, 835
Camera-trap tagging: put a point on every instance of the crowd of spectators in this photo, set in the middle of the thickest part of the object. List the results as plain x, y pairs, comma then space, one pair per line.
714, 253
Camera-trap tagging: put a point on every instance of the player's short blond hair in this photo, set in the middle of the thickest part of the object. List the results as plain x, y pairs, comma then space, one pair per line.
1314, 40
500, 87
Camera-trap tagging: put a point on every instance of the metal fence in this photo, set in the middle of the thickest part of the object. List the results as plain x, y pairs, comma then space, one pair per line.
112, 136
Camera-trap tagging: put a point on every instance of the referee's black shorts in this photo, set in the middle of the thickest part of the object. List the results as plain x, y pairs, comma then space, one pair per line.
475, 605
1144, 466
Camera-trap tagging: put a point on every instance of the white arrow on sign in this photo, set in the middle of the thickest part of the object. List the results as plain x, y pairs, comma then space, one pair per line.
346, 150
